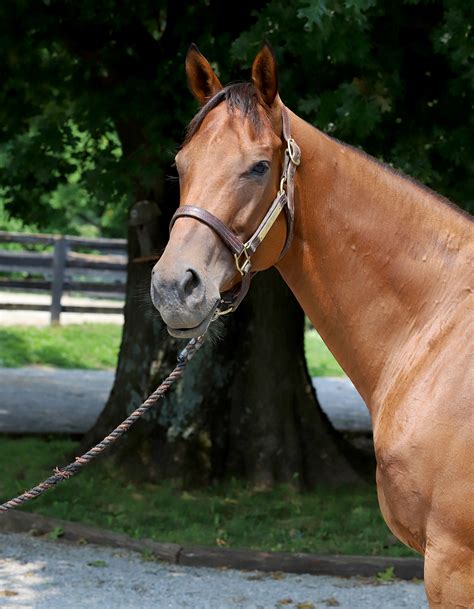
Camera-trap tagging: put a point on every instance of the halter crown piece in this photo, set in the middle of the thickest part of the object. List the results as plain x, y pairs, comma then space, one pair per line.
243, 252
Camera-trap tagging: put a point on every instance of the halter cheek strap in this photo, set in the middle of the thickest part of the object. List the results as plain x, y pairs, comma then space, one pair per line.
241, 251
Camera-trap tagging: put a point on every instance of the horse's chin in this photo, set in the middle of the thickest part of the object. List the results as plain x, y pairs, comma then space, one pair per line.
195, 331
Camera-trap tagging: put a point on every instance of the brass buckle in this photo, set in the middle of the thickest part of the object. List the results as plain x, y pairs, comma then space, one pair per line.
243, 267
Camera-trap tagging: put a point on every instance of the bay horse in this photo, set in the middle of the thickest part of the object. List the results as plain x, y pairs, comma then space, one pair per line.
380, 265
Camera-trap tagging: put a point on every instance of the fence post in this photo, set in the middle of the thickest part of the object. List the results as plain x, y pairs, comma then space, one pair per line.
59, 267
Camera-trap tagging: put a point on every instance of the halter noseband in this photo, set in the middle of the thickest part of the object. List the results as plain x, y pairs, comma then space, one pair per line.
243, 252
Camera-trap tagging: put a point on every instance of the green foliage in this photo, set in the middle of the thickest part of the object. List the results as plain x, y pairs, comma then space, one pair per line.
56, 533
386, 576
93, 104
394, 78
81, 346
344, 521
11, 223
93, 99
71, 180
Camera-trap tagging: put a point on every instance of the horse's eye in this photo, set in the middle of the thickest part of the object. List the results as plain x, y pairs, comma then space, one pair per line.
260, 168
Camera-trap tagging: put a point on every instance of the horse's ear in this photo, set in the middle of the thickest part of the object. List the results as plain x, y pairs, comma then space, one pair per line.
202, 79
264, 75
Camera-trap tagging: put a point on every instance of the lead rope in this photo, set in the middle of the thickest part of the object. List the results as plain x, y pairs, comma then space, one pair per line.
73, 468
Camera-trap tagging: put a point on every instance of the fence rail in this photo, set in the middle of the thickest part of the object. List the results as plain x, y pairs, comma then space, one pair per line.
63, 270
98, 243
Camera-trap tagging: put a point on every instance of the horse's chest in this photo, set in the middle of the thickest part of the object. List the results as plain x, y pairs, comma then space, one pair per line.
403, 501
403, 483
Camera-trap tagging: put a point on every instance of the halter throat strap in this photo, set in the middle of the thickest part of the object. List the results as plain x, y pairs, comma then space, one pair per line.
243, 251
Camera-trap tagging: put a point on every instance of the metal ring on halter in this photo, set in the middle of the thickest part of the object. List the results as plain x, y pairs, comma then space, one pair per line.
293, 152
218, 312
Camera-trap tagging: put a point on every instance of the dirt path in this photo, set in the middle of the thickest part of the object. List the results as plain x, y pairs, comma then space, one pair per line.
53, 400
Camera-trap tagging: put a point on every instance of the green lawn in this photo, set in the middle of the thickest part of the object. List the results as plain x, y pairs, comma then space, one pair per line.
81, 346
345, 521
321, 361
96, 346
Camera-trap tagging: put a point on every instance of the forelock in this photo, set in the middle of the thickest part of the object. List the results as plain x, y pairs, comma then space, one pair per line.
240, 96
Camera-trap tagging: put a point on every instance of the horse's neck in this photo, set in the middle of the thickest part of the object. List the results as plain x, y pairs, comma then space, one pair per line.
372, 256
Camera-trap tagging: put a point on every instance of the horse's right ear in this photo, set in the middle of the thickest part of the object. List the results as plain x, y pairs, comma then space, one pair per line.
202, 79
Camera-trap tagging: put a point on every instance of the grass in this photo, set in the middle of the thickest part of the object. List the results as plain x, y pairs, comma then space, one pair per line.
320, 360
344, 521
81, 346
96, 346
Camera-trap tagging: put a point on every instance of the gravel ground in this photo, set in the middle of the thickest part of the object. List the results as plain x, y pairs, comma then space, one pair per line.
37, 573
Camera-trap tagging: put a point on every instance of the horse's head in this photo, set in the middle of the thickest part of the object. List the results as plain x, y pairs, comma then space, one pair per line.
230, 168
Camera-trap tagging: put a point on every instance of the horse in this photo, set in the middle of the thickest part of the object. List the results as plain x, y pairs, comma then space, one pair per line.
379, 263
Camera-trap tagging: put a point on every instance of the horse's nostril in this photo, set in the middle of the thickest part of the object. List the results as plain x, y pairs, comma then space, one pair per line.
190, 282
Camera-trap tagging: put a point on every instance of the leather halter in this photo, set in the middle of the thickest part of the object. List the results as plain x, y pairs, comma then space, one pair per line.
243, 252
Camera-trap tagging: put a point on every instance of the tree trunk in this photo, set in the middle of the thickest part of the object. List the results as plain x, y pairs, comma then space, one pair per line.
245, 406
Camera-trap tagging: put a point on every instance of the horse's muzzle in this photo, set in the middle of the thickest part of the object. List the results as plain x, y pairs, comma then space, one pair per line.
185, 299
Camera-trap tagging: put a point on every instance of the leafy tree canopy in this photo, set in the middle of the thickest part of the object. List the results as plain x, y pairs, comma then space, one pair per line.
94, 101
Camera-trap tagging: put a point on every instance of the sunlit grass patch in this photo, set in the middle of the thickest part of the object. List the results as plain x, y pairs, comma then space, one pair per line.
71, 346
97, 345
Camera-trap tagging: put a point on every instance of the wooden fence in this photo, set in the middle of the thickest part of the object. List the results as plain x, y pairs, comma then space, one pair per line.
62, 269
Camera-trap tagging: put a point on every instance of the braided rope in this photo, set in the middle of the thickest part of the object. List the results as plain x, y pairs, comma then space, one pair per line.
70, 470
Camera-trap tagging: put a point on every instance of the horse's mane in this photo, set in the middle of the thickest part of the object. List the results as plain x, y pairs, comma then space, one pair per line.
401, 174
241, 96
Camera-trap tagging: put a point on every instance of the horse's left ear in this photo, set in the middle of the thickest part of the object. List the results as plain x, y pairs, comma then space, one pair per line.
264, 75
